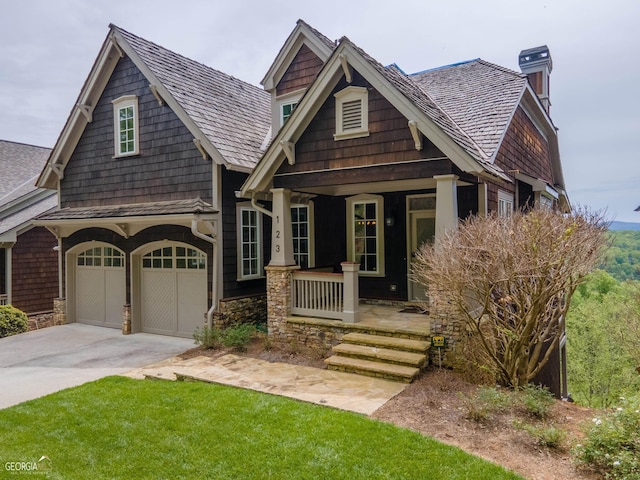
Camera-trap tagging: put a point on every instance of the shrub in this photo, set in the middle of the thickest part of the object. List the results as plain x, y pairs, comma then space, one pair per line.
537, 400
612, 445
208, 337
486, 400
12, 321
545, 436
238, 336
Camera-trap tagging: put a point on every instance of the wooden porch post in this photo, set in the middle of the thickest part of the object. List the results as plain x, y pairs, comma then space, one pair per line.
351, 292
446, 204
281, 230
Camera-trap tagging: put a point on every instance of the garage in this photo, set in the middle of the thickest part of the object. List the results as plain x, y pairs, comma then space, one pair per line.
173, 287
100, 286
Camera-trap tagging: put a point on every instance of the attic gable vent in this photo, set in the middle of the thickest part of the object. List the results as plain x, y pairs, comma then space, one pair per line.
352, 112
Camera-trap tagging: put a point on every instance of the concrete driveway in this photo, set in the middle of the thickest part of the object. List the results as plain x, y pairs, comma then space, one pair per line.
37, 363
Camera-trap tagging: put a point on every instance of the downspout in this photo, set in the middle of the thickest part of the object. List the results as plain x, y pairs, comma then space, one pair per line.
58, 248
258, 207
214, 273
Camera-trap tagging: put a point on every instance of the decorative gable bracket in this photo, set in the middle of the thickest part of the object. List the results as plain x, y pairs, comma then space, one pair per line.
86, 110
416, 134
58, 170
289, 150
200, 148
348, 71
156, 94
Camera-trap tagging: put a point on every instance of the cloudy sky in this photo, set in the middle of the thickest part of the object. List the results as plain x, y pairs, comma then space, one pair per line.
47, 48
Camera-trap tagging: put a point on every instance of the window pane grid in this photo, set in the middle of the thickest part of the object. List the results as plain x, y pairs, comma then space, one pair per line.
365, 235
249, 242
126, 129
99, 256
300, 227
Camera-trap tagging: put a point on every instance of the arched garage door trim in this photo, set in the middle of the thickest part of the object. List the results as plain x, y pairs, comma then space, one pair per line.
96, 284
169, 294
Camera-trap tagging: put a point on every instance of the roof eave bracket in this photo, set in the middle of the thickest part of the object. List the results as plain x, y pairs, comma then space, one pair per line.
156, 94
57, 169
348, 71
86, 110
289, 150
200, 148
416, 134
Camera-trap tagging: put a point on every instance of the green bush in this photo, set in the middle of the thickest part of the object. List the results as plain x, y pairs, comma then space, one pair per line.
208, 337
12, 321
537, 400
236, 336
612, 445
486, 400
545, 436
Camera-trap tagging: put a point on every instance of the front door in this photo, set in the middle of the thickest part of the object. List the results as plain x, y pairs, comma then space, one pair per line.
423, 230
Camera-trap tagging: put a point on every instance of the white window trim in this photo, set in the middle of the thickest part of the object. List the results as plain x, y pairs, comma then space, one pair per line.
380, 257
351, 94
310, 232
506, 202
118, 104
278, 102
240, 207
281, 110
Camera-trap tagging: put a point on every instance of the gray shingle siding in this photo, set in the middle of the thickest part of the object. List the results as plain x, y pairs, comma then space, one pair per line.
169, 166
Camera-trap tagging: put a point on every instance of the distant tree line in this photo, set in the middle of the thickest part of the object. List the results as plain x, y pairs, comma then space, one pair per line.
622, 260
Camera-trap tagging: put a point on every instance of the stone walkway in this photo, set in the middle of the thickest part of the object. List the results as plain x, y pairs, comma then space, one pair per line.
345, 391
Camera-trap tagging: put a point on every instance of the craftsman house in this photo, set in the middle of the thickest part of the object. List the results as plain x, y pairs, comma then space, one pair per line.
367, 163
152, 237
28, 262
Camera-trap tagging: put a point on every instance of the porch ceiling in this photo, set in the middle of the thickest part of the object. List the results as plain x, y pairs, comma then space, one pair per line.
375, 187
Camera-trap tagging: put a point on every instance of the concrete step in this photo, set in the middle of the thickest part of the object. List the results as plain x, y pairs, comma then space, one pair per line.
391, 343
389, 371
365, 352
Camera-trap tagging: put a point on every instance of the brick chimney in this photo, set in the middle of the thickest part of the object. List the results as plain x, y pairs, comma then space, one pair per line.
536, 64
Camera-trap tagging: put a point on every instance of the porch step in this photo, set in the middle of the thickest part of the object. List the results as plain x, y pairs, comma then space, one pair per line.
392, 343
396, 357
372, 369
380, 355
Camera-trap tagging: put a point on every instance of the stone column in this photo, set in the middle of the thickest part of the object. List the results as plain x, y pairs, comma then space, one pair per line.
59, 311
126, 319
446, 204
351, 292
281, 231
279, 280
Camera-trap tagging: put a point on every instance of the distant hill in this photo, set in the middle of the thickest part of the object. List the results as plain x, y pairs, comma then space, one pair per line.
622, 259
624, 226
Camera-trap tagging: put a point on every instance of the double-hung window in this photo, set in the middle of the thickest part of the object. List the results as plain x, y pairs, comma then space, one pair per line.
125, 118
249, 223
365, 233
286, 109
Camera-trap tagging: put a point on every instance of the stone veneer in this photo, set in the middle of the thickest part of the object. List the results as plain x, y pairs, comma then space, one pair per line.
126, 319
40, 320
444, 323
59, 311
233, 311
279, 301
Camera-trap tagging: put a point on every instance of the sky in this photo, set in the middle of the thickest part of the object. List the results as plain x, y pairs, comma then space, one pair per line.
47, 48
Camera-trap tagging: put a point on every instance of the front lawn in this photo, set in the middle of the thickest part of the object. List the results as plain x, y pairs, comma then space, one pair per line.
130, 429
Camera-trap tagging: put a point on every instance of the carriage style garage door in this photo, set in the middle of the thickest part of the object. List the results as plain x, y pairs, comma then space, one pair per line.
100, 286
173, 290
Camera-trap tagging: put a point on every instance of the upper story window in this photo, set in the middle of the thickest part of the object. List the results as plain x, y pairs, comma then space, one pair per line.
505, 203
352, 113
249, 222
125, 117
365, 233
286, 109
545, 203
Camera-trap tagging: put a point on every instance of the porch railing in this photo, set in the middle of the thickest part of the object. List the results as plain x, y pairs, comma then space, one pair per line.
326, 295
4, 298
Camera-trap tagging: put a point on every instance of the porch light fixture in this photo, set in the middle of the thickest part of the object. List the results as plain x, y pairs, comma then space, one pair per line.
389, 221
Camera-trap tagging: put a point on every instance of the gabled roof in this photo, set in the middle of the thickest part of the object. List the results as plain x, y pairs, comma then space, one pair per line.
479, 96
229, 117
305, 34
401, 91
20, 200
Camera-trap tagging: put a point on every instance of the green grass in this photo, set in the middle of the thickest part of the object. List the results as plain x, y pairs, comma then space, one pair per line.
121, 428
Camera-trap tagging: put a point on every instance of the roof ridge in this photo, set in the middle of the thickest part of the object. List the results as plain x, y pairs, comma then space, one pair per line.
501, 68
319, 34
442, 67
190, 60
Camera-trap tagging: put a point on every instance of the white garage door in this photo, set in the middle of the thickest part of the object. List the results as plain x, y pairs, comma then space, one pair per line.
100, 286
173, 290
